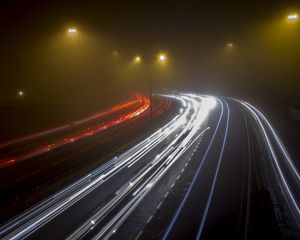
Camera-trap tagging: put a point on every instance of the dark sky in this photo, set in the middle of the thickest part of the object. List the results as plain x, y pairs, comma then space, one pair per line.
190, 31
164, 22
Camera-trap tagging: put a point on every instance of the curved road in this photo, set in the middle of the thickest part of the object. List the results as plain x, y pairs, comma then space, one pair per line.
215, 169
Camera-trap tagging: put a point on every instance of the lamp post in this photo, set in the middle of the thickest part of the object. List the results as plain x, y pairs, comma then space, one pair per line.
150, 96
161, 59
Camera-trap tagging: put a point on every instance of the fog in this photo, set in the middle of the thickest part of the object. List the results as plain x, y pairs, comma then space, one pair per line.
96, 66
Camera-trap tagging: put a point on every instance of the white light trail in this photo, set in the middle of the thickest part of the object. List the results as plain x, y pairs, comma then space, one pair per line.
161, 163
264, 124
30, 221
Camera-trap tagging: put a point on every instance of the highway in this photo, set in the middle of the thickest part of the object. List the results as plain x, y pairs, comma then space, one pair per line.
205, 167
59, 166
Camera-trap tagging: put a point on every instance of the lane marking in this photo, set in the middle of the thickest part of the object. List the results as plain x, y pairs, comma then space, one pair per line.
208, 203
139, 235
179, 209
150, 218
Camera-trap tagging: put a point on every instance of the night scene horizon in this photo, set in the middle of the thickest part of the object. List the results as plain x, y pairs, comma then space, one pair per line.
154, 119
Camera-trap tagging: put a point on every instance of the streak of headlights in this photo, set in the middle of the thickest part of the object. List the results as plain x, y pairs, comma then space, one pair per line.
283, 176
160, 165
33, 219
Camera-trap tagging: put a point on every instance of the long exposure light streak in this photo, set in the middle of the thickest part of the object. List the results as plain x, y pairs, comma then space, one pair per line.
111, 110
148, 162
186, 123
282, 175
142, 105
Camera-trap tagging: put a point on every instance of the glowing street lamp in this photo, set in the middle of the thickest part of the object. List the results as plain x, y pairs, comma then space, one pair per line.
292, 17
137, 59
162, 57
72, 30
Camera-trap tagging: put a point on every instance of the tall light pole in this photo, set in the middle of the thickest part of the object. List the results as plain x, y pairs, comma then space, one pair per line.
150, 96
161, 59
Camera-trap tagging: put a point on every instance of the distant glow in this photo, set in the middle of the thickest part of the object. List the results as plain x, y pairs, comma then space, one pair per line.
230, 45
292, 17
21, 93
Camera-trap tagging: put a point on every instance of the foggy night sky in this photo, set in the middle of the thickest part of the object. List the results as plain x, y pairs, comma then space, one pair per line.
194, 34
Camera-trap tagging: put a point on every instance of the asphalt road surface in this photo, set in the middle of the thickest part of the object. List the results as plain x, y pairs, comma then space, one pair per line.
204, 168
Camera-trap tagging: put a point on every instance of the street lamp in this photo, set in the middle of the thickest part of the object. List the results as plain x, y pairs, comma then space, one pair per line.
137, 59
162, 58
292, 17
72, 31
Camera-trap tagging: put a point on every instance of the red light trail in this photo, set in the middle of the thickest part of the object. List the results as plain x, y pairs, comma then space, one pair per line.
140, 102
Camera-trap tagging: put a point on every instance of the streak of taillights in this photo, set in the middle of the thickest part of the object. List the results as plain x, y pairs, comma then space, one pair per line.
143, 105
111, 110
